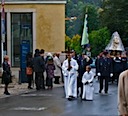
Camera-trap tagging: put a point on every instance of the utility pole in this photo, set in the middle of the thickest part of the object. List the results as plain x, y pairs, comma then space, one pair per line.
2, 29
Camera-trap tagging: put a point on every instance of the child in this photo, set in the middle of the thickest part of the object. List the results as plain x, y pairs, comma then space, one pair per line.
87, 81
50, 72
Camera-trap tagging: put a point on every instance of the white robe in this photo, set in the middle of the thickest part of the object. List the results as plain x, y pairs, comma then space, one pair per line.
70, 78
88, 88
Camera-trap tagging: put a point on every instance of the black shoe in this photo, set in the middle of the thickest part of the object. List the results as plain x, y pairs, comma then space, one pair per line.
83, 99
73, 97
106, 92
6, 93
37, 88
69, 98
99, 91
56, 82
43, 88
30, 88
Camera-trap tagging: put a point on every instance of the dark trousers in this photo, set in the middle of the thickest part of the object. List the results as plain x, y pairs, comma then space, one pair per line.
56, 79
30, 79
6, 88
39, 80
102, 79
79, 85
116, 76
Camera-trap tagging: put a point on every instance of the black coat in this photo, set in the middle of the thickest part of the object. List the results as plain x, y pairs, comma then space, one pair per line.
29, 62
105, 67
117, 65
124, 63
39, 64
82, 62
6, 73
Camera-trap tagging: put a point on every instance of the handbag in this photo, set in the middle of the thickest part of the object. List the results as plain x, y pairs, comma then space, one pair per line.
29, 71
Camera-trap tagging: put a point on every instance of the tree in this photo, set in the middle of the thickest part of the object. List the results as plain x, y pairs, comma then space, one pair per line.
67, 43
75, 43
114, 15
78, 10
99, 40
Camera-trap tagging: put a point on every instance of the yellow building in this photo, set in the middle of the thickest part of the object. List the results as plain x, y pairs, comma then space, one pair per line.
42, 22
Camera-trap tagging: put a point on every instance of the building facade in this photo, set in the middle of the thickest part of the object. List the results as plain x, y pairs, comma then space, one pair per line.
41, 22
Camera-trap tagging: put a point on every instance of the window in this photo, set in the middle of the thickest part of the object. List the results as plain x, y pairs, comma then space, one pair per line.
21, 29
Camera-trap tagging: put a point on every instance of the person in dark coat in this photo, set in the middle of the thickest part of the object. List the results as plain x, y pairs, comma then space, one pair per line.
83, 61
96, 63
39, 68
37, 53
105, 71
117, 66
29, 63
6, 74
124, 61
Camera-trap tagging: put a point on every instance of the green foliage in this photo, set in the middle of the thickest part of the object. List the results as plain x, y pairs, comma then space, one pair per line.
99, 40
73, 43
114, 15
67, 42
93, 17
79, 10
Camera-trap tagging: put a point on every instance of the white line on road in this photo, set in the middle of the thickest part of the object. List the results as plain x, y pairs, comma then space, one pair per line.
34, 95
30, 108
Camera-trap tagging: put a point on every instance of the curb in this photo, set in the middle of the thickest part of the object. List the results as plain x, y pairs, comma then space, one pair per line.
10, 86
19, 89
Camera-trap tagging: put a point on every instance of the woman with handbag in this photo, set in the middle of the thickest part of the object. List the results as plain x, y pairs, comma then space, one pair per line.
29, 69
6, 74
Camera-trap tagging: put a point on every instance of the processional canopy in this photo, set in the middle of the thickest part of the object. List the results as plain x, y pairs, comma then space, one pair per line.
115, 43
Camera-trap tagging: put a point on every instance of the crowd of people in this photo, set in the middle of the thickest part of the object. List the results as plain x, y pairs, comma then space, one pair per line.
40, 63
69, 72
75, 72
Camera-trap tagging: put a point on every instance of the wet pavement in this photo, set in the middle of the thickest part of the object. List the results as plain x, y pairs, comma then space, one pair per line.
53, 103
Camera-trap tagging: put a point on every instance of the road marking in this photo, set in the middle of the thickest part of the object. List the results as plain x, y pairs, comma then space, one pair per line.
34, 95
30, 108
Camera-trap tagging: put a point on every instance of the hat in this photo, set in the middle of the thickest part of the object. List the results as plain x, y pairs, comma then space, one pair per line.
49, 54
49, 58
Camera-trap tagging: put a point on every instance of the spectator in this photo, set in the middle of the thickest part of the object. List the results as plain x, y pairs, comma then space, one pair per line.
6, 74
50, 67
39, 68
29, 64
123, 94
57, 71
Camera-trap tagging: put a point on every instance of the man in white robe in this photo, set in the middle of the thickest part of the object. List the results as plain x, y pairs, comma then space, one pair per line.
69, 69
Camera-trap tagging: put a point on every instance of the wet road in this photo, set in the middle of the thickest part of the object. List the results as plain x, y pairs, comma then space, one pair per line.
53, 103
